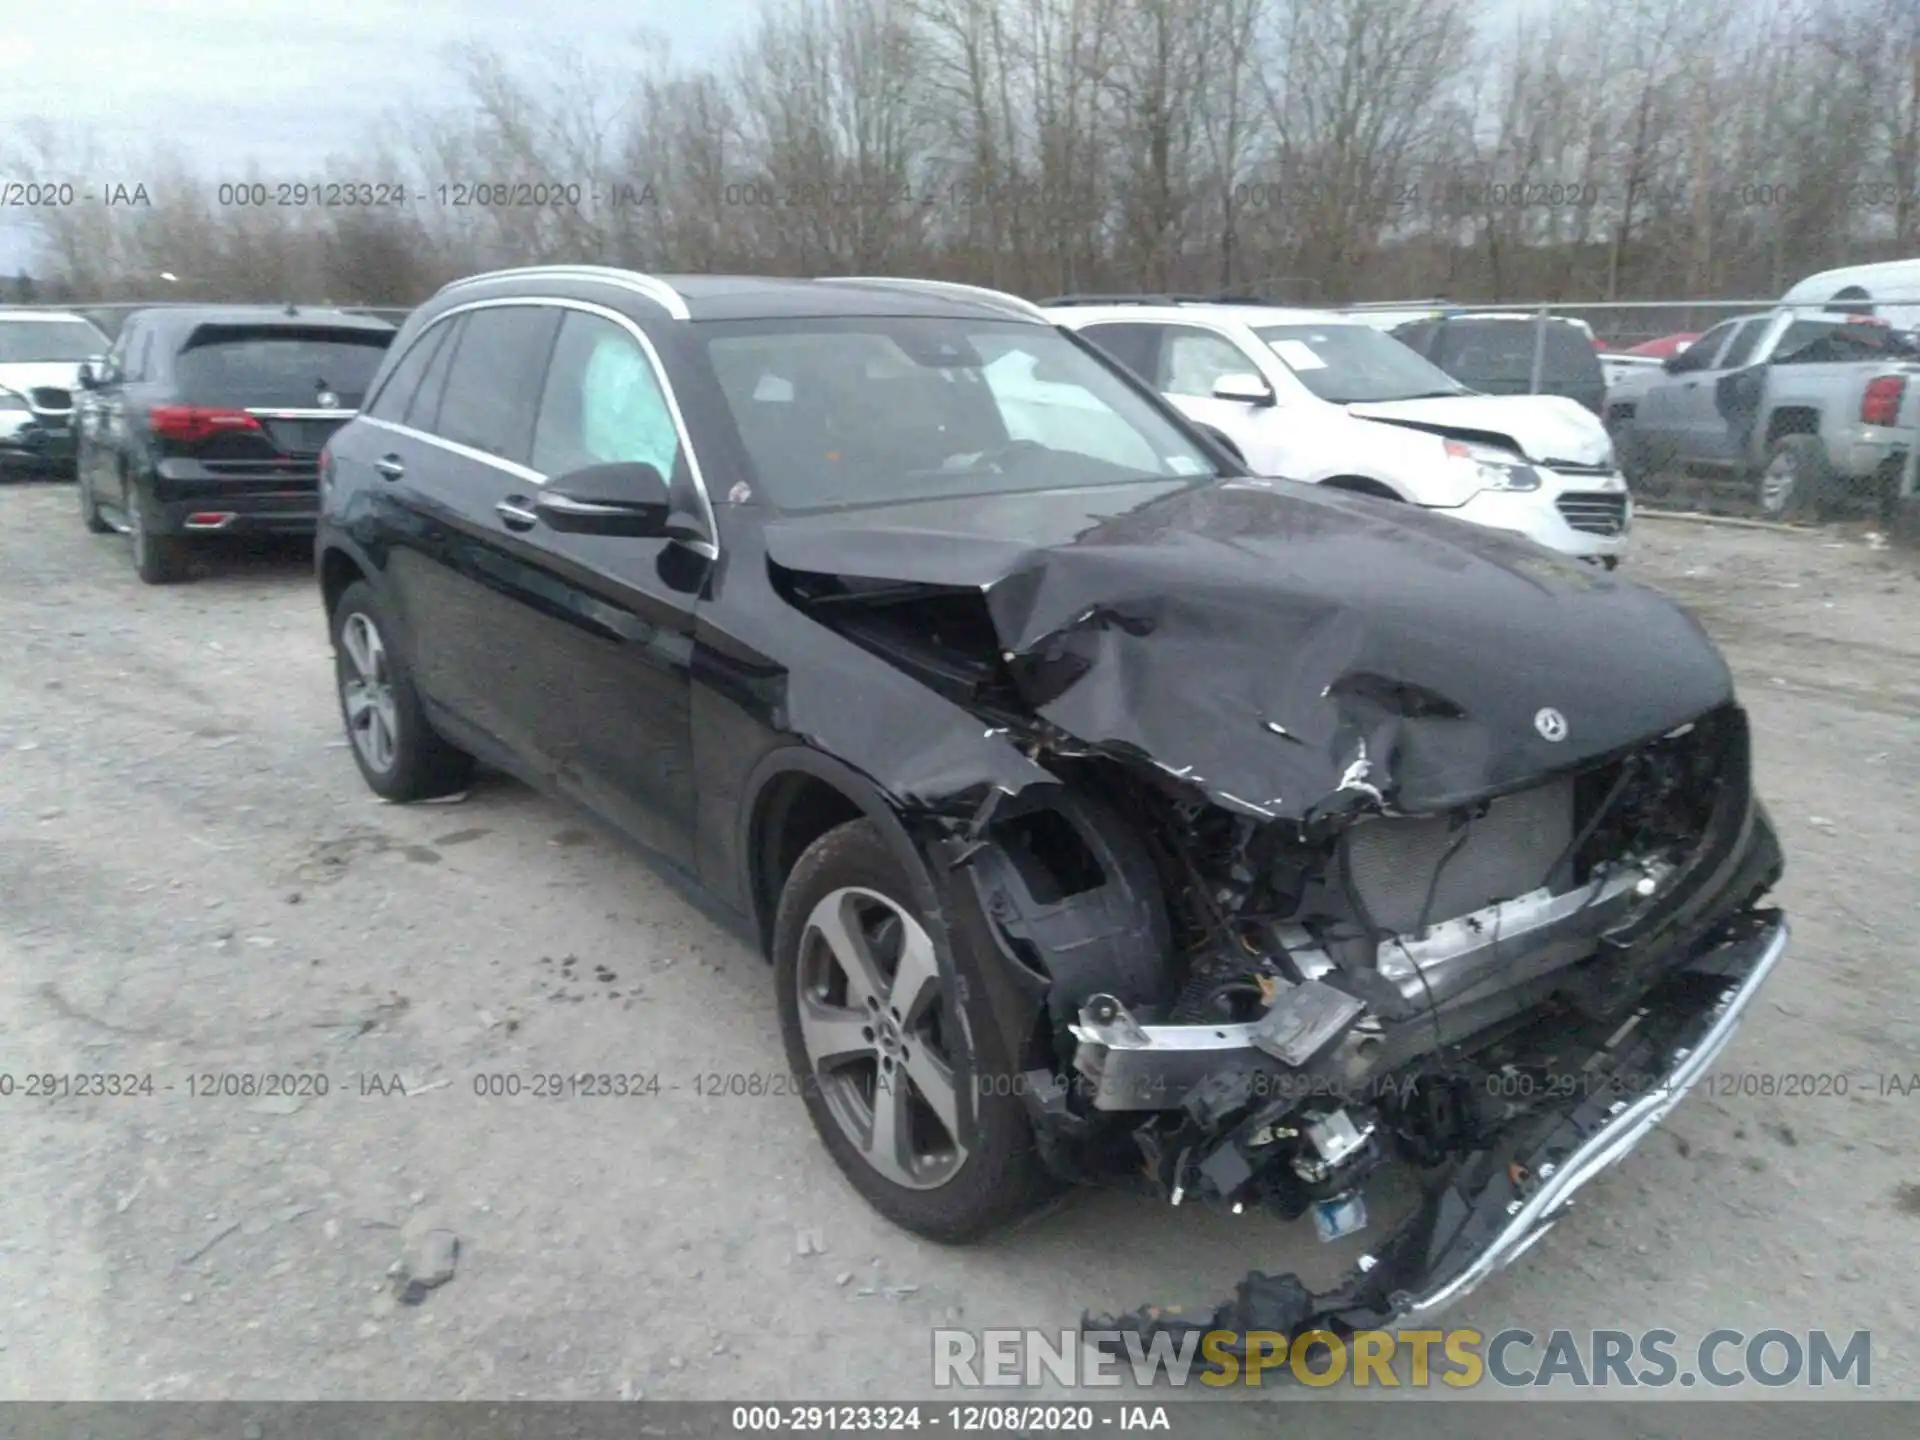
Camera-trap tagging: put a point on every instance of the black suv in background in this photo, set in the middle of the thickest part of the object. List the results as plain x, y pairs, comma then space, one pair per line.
1494, 354
210, 420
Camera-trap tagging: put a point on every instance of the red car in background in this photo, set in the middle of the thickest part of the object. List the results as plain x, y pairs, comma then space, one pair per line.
1665, 346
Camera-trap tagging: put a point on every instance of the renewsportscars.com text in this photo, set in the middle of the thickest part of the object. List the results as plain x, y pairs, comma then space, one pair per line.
1457, 1358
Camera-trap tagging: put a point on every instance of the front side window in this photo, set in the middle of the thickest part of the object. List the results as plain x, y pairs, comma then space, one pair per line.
1355, 364
1745, 340
861, 410
1701, 353
603, 402
1196, 360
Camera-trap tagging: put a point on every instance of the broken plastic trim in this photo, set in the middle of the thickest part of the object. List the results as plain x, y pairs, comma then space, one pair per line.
1498, 1202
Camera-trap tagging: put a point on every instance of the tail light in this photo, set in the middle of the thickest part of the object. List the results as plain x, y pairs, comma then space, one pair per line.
190, 424
1881, 403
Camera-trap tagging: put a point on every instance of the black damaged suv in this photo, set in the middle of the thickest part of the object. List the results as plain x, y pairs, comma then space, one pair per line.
1108, 815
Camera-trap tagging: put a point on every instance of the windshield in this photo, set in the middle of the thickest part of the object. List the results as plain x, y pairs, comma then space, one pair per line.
861, 410
283, 369
1352, 364
26, 342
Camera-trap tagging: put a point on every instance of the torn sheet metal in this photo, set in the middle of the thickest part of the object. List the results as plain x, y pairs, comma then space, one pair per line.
1298, 652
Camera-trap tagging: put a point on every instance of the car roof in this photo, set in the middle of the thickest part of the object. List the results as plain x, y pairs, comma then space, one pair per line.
10, 317
746, 297
1255, 315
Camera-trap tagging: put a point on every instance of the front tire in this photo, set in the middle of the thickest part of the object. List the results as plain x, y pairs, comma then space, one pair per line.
401, 756
891, 1053
89, 507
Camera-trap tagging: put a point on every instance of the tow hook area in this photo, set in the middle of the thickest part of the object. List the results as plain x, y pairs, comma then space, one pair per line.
1498, 1201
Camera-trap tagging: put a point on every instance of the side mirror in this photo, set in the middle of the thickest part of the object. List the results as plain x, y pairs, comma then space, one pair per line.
90, 369
628, 498
1247, 389
1672, 363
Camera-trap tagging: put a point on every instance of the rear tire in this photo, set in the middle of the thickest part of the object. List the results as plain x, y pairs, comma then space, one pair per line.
949, 1176
157, 559
1796, 482
401, 756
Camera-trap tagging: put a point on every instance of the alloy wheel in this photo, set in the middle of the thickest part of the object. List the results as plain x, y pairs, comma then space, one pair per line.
880, 1037
367, 695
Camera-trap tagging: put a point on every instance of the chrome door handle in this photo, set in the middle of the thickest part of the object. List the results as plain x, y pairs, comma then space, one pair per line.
390, 467
514, 511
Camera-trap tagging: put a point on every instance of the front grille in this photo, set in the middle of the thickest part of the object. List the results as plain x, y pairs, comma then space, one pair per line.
48, 397
1391, 861
1596, 512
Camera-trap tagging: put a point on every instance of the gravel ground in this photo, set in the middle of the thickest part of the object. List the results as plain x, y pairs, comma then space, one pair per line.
195, 883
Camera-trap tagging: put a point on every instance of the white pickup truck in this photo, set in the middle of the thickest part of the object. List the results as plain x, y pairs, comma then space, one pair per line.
1800, 410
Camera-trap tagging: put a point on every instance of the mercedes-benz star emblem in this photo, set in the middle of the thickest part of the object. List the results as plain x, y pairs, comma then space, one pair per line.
327, 400
1551, 724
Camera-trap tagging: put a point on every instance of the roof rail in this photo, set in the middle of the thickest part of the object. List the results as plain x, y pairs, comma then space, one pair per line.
651, 286
1432, 302
1025, 309
1176, 299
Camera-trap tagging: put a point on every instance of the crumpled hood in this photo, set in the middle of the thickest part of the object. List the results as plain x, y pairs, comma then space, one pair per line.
1292, 651
24, 375
1544, 428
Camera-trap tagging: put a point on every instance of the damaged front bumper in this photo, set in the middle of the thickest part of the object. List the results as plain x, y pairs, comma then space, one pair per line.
1497, 1202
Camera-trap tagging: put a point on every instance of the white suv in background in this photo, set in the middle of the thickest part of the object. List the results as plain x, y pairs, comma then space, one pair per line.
1309, 395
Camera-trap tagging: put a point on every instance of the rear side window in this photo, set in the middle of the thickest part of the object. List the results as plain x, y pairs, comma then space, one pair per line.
1135, 346
278, 367
493, 386
392, 401
423, 410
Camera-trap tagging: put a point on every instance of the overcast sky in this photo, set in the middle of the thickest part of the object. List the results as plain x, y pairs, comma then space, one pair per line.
283, 82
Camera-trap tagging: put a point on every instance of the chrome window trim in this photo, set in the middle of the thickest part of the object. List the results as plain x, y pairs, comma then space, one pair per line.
1025, 309
651, 286
498, 462
283, 412
710, 547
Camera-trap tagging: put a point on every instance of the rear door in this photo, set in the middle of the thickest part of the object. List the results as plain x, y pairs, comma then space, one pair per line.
457, 568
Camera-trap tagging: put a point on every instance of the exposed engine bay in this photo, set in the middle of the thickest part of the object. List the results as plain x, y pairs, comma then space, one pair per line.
1389, 926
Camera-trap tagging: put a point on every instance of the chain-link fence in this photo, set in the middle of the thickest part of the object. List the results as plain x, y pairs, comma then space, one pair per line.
1797, 412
